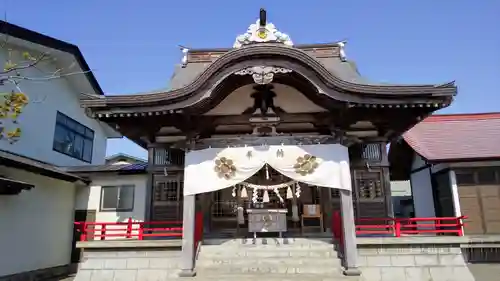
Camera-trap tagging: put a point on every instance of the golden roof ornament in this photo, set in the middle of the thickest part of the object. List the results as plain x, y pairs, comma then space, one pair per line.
262, 31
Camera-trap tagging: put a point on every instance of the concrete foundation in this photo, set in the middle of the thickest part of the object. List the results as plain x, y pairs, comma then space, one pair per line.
118, 260
413, 259
272, 259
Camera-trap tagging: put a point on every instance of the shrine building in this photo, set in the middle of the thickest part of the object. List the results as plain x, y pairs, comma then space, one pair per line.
269, 138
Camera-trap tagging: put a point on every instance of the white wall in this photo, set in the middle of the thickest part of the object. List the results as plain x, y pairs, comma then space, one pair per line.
89, 198
36, 226
37, 121
421, 186
400, 188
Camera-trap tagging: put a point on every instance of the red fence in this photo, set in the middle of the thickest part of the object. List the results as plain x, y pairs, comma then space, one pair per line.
136, 230
397, 227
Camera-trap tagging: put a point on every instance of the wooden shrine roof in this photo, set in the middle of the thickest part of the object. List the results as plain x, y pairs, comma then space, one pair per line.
338, 78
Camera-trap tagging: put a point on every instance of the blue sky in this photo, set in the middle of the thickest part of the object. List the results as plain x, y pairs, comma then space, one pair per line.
132, 45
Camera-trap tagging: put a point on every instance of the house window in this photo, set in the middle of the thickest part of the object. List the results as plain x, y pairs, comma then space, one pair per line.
486, 176
73, 139
117, 198
465, 177
478, 176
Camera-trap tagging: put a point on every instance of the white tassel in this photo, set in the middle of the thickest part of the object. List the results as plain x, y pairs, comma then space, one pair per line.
234, 191
289, 193
254, 195
267, 172
295, 213
265, 198
297, 190
277, 192
244, 193
241, 217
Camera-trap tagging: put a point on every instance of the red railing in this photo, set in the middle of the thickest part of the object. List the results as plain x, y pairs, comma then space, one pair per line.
397, 227
137, 230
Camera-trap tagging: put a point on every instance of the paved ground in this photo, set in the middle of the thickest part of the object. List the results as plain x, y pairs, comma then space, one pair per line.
481, 272
485, 272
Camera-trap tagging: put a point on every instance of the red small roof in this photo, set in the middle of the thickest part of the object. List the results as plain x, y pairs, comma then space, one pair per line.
456, 136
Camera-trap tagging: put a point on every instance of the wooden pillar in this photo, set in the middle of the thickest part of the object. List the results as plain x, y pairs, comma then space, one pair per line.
349, 233
149, 185
386, 179
327, 208
188, 247
387, 192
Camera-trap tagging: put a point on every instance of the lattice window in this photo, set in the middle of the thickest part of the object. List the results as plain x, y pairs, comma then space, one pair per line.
169, 190
163, 156
478, 176
369, 185
167, 198
224, 205
371, 152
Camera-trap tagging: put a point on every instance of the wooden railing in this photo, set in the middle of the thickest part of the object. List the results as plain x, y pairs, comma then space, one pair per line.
137, 230
398, 227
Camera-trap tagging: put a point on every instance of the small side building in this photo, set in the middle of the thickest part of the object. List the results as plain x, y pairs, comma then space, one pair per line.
116, 190
453, 163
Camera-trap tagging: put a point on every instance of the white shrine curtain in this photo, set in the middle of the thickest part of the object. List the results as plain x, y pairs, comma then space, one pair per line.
331, 169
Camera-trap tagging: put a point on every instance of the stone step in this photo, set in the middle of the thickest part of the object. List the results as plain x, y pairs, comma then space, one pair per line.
320, 248
273, 277
261, 269
272, 252
285, 259
298, 242
272, 247
278, 254
271, 262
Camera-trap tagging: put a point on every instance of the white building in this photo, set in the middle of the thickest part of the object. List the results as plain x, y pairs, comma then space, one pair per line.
116, 192
36, 195
453, 163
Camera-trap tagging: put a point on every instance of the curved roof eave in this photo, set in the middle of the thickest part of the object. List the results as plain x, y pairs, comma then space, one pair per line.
329, 79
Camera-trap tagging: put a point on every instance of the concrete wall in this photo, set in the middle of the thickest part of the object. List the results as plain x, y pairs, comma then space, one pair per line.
38, 119
413, 262
89, 198
421, 187
400, 194
129, 265
400, 188
36, 226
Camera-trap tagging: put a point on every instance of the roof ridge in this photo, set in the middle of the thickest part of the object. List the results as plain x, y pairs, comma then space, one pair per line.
463, 117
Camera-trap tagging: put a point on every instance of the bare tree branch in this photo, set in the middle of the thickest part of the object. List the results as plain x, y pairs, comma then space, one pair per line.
43, 78
13, 99
18, 67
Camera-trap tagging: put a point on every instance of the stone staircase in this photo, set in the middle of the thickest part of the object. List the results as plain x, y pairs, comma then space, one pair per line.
267, 259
